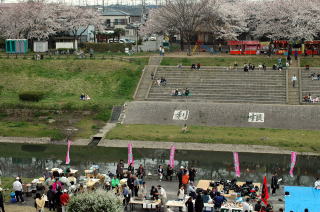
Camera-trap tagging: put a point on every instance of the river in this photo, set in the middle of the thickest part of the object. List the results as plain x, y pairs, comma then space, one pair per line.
28, 160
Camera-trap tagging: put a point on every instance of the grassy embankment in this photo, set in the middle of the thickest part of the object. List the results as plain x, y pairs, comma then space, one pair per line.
311, 61
107, 82
297, 140
220, 61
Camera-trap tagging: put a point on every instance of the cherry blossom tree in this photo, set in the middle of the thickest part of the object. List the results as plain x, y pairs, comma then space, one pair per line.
221, 18
287, 19
77, 20
37, 20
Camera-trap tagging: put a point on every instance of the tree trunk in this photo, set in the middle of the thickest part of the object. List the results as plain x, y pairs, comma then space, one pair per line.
181, 41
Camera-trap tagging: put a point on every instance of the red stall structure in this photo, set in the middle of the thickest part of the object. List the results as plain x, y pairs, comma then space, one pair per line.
244, 47
312, 47
281, 47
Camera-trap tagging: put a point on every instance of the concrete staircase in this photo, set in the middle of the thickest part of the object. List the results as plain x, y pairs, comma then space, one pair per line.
145, 80
293, 92
309, 86
221, 85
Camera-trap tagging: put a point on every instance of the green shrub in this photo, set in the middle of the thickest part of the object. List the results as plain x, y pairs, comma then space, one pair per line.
96, 201
32, 96
106, 47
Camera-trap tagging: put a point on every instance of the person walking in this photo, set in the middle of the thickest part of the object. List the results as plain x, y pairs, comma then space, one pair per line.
50, 195
179, 175
181, 194
169, 173
192, 174
274, 183
160, 172
1, 200
119, 171
185, 179
17, 187
40, 202
296, 55
294, 79
57, 199
64, 200
141, 172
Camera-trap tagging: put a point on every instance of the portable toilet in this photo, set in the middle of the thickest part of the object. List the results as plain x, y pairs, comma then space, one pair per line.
16, 46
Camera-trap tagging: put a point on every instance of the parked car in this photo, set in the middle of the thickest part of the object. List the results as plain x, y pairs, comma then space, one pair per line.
126, 40
153, 38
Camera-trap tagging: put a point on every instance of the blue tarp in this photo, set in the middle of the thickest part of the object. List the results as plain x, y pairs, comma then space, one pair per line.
300, 198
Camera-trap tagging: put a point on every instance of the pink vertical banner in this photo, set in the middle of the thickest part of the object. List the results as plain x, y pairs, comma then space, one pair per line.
293, 162
130, 155
236, 163
172, 152
68, 152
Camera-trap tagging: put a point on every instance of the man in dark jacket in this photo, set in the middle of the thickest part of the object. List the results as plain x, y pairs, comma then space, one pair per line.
258, 206
192, 174
51, 199
274, 183
1, 200
199, 204
57, 199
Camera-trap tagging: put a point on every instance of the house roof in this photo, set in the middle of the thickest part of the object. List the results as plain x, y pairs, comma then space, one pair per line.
113, 12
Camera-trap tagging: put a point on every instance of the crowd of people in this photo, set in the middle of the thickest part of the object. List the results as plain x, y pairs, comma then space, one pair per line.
310, 99
195, 67
130, 183
177, 92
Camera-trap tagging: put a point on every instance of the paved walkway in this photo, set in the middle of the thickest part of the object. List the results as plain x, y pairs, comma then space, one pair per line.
145, 80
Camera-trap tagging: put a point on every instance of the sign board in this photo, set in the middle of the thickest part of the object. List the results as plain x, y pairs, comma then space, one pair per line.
40, 46
256, 117
181, 115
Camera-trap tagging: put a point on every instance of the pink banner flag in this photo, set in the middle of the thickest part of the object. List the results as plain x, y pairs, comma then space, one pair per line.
236, 163
293, 162
68, 153
172, 152
130, 155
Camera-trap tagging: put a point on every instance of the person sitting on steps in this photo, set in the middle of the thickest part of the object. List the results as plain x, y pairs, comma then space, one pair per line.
186, 92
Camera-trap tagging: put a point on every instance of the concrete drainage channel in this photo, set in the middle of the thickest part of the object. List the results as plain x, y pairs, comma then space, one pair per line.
95, 141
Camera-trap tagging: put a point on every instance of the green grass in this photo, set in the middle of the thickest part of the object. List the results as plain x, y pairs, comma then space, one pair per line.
28, 129
219, 61
311, 61
298, 140
107, 82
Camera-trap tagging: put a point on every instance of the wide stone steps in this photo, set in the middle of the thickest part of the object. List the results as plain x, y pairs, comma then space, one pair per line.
221, 85
262, 101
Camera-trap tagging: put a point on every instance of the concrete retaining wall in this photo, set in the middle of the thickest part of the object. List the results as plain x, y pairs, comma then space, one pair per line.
220, 114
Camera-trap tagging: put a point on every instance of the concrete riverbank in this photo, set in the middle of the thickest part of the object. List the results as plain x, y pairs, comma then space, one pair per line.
161, 145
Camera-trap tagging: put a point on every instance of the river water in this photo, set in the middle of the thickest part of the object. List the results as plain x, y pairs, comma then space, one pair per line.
31, 161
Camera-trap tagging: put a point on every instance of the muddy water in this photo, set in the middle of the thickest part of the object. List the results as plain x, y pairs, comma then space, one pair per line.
31, 161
